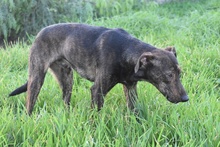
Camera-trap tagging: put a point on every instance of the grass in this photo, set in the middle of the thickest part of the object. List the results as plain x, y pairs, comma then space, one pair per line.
193, 27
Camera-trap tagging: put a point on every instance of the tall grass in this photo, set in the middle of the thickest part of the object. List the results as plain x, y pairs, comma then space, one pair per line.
192, 27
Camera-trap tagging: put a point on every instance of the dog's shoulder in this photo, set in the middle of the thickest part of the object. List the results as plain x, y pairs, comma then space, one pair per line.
117, 32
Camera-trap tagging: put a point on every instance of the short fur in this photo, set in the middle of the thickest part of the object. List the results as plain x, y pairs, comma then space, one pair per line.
104, 56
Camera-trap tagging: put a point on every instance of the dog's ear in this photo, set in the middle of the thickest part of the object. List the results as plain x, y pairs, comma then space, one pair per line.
143, 61
172, 50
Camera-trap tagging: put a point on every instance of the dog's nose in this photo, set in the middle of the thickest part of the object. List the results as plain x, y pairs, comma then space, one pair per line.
184, 98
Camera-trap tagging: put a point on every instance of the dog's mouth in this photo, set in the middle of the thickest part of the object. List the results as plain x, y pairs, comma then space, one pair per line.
172, 98
184, 98
172, 101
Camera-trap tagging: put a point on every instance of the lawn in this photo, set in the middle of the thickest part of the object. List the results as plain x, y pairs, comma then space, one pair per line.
193, 27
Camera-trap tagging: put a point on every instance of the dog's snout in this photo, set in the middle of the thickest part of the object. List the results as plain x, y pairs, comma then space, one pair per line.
184, 98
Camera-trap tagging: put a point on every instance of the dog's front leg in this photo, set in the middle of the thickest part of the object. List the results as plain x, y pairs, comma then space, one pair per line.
100, 88
97, 97
131, 94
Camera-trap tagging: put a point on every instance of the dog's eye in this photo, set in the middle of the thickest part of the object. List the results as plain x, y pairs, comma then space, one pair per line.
168, 78
170, 75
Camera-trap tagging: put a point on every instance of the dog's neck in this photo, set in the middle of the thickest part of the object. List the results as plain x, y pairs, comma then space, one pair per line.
130, 58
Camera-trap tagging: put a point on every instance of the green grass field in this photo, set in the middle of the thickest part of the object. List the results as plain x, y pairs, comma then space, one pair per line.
192, 27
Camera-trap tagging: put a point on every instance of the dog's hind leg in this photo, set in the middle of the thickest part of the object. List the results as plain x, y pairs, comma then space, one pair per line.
64, 75
37, 71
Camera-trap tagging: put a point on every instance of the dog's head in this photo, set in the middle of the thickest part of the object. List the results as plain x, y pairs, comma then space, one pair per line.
160, 68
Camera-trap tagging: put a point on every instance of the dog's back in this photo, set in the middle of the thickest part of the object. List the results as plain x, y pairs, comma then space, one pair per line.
82, 45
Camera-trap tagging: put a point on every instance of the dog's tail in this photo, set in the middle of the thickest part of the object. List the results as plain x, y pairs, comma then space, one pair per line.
19, 90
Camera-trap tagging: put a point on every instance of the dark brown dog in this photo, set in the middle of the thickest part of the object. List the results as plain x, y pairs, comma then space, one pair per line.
104, 56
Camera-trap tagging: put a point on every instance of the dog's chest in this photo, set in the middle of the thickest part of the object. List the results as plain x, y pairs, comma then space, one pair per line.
86, 72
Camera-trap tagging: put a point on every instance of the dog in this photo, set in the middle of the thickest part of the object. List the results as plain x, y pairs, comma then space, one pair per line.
104, 56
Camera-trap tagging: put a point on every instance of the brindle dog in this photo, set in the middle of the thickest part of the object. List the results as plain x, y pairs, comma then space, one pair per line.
104, 56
